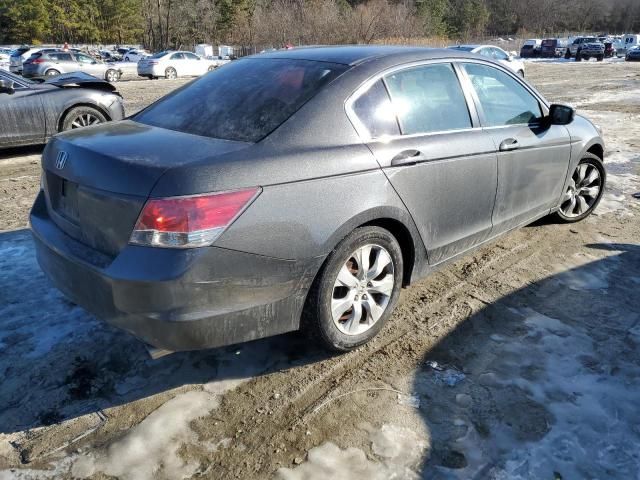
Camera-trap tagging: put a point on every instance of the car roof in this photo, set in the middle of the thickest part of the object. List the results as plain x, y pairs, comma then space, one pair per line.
356, 54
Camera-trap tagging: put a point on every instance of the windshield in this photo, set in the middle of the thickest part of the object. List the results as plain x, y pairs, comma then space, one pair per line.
244, 101
14, 78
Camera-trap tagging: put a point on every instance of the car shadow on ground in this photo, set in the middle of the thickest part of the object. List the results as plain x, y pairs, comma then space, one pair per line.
57, 362
542, 382
13, 152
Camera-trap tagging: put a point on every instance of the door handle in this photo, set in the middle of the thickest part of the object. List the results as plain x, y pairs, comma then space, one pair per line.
509, 144
407, 157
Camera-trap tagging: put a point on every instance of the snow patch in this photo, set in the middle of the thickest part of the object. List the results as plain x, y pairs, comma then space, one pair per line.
150, 450
399, 451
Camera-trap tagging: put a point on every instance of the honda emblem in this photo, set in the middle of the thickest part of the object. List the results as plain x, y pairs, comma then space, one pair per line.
61, 160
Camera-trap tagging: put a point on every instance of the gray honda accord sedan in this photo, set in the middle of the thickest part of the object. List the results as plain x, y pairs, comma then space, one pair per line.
301, 189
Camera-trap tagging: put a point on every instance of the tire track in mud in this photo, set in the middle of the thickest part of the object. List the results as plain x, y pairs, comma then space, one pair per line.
456, 291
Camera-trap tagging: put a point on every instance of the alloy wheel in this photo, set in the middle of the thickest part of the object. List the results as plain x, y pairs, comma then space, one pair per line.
112, 76
583, 191
171, 73
363, 289
84, 120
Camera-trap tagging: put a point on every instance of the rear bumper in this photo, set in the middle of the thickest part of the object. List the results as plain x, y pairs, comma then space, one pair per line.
176, 299
155, 70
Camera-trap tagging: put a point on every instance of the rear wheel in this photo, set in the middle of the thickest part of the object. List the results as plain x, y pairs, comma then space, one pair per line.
584, 191
578, 56
600, 58
112, 76
52, 72
355, 292
211, 68
521, 73
170, 73
567, 54
79, 117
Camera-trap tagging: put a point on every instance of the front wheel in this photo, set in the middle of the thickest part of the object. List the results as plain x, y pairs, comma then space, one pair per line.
584, 191
80, 117
52, 72
355, 291
112, 76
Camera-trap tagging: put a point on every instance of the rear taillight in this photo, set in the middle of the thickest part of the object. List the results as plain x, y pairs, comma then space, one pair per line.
152, 62
36, 60
185, 222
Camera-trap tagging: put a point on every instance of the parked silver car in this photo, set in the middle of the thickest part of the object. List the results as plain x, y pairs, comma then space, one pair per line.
47, 64
303, 189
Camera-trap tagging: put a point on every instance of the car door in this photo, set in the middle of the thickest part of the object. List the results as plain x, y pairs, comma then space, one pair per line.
195, 64
21, 115
90, 65
502, 57
533, 157
64, 62
426, 137
178, 62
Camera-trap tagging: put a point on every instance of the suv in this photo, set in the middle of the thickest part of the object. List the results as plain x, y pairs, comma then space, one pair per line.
577, 44
552, 48
54, 63
531, 48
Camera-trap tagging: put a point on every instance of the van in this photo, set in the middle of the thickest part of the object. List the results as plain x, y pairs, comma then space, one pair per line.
628, 42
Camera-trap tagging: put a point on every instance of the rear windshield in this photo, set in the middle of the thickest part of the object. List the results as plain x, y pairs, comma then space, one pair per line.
550, 43
464, 49
19, 51
159, 54
244, 100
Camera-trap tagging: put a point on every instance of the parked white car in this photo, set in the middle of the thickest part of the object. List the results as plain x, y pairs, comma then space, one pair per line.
135, 55
495, 53
174, 64
5, 55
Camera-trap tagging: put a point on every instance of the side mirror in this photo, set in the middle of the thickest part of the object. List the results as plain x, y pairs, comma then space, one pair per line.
6, 86
561, 114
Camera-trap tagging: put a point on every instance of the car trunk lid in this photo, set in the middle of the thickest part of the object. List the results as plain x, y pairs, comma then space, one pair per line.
97, 179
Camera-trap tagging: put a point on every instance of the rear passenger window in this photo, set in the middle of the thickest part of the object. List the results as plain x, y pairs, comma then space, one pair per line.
61, 57
428, 99
373, 109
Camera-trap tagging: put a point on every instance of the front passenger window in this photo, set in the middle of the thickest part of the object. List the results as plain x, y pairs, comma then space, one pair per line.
503, 99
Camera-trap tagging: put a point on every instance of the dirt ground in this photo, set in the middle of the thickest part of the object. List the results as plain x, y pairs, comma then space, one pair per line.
521, 361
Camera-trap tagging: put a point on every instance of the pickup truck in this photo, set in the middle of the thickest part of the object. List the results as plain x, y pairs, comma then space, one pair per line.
577, 45
589, 50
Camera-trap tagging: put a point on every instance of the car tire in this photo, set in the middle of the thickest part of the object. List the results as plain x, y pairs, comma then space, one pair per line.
521, 73
578, 56
79, 117
52, 72
567, 54
112, 75
356, 306
126, 59
170, 73
211, 68
600, 58
581, 182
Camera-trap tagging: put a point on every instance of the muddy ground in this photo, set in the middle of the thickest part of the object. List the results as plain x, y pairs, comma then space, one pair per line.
520, 361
